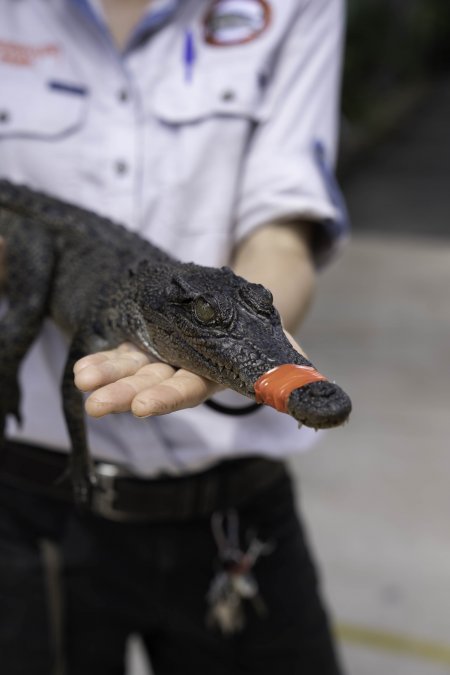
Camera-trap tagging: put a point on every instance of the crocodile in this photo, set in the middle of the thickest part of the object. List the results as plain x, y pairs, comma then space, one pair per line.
103, 284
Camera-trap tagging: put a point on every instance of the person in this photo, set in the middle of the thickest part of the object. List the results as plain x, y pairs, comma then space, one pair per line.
209, 127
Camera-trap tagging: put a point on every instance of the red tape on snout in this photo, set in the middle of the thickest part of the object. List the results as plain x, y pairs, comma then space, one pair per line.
274, 387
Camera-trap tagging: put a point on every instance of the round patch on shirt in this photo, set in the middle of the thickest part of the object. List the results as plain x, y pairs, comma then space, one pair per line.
235, 22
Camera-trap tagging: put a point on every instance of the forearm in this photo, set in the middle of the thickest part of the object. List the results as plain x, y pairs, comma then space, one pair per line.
278, 256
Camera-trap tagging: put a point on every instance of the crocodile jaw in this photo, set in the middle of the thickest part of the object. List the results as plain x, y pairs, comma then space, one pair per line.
319, 405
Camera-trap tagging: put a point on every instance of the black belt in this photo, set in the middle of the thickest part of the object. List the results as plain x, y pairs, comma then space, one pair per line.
121, 496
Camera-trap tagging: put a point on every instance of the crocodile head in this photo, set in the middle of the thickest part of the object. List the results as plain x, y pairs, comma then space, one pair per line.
220, 326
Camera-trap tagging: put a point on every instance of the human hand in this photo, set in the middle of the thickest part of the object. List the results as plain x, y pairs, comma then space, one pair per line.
126, 380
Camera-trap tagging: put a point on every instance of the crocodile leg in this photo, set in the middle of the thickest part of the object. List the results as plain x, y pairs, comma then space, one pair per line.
81, 469
29, 262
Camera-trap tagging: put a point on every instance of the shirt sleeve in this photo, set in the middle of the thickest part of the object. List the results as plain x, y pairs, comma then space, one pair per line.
288, 171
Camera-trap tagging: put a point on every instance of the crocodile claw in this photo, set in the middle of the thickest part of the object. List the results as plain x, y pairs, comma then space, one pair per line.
83, 482
9, 402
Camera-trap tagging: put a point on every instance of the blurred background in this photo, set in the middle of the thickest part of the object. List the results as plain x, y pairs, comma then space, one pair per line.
375, 493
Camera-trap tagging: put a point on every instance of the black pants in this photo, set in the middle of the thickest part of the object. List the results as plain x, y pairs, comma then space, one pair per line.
152, 579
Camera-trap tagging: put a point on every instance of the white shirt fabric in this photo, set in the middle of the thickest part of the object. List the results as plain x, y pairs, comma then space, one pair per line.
191, 141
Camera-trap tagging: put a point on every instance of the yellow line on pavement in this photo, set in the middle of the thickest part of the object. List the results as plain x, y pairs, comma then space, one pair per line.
394, 642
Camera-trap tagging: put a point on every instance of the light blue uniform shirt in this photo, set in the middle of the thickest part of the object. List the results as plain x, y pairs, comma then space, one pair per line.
217, 118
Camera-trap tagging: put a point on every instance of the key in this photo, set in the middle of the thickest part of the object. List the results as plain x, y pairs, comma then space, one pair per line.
225, 605
227, 614
235, 582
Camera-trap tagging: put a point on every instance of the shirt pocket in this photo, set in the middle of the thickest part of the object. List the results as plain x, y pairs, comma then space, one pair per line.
202, 129
33, 107
218, 93
206, 119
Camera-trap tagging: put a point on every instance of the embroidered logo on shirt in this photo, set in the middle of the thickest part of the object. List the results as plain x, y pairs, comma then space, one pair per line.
235, 22
25, 55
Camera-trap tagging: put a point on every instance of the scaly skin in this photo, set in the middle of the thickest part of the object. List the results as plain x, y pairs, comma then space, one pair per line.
102, 285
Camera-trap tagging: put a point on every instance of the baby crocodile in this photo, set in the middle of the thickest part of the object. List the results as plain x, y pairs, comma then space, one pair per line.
103, 284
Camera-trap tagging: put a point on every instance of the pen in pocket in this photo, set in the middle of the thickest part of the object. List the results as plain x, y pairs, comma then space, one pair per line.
189, 55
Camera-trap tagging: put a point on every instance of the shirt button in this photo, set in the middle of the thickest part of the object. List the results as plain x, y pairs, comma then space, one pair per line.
123, 95
4, 116
228, 95
121, 167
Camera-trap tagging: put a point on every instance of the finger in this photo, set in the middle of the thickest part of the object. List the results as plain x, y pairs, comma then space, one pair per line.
118, 396
182, 390
295, 344
125, 350
97, 370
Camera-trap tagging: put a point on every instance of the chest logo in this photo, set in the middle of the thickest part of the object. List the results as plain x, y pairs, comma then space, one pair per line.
235, 22
25, 55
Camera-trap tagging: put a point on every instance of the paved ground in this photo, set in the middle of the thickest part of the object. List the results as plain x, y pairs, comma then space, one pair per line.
375, 493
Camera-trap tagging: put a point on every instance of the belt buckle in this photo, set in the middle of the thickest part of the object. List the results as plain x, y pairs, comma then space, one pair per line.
105, 493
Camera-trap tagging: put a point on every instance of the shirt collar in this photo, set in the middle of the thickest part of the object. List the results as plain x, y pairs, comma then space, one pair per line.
159, 12
156, 15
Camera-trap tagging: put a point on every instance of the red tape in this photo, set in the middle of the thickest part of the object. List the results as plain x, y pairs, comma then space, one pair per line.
274, 387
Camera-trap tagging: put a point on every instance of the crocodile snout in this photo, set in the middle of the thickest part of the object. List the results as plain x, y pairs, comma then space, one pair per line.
302, 392
320, 405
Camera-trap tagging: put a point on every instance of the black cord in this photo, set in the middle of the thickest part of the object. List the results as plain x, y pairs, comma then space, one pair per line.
232, 410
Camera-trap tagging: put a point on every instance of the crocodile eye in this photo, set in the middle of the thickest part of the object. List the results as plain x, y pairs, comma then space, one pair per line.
258, 297
204, 311
265, 299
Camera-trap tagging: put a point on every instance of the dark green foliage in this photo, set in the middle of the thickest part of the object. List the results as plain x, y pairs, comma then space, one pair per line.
391, 44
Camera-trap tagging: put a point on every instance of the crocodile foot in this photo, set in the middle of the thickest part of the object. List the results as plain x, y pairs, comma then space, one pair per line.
9, 401
84, 481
